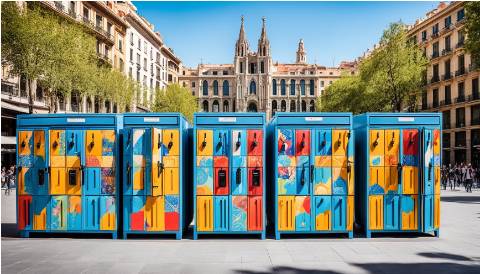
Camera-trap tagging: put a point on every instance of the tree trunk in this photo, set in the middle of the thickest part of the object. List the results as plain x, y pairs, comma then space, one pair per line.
32, 87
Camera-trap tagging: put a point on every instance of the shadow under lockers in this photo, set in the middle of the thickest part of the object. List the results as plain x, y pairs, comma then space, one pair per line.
311, 173
229, 173
398, 172
67, 175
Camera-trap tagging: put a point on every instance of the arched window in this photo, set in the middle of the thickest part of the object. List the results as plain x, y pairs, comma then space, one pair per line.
312, 106
302, 87
312, 87
205, 106
215, 106
292, 106
274, 107
292, 87
215, 87
225, 106
304, 106
226, 88
205, 88
253, 87
274, 87
283, 88
283, 106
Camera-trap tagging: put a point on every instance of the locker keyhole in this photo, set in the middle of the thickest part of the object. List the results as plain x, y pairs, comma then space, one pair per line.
256, 177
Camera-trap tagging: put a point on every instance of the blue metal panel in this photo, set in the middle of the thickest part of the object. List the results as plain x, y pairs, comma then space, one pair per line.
74, 142
221, 142
339, 212
303, 181
91, 212
238, 180
58, 212
428, 212
391, 212
322, 143
239, 142
428, 162
42, 204
91, 184
221, 213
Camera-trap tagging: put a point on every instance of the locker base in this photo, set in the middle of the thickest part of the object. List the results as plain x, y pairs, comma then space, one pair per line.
73, 234
178, 235
278, 234
239, 233
403, 233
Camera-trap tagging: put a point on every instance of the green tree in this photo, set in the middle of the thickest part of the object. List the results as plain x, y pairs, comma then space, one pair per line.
472, 26
175, 99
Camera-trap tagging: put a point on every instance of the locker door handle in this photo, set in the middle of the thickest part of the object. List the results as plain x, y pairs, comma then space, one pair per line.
302, 176
160, 168
392, 141
94, 179
302, 143
411, 179
256, 213
375, 143
324, 141
254, 143
312, 168
159, 141
430, 171
24, 144
204, 143
238, 176
92, 142
410, 137
61, 214
129, 174
170, 144
220, 140
206, 213
58, 177
239, 143
284, 146
41, 177
93, 212
171, 180
71, 144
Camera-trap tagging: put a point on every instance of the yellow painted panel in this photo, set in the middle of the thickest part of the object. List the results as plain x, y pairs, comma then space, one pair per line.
339, 161
93, 143
323, 161
377, 176
57, 142
171, 181
391, 179
171, 161
155, 213
323, 221
392, 147
351, 178
204, 142
436, 218
286, 217
139, 179
23, 142
339, 142
72, 161
107, 161
157, 180
156, 142
375, 205
350, 212
409, 220
107, 222
204, 218
40, 220
377, 147
74, 189
437, 177
39, 143
57, 181
172, 140
57, 161
22, 181
410, 180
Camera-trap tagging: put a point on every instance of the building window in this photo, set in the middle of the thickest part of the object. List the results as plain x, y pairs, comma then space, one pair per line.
131, 55
274, 107
446, 119
448, 74
225, 106
448, 21
145, 63
435, 98
475, 89
283, 88
292, 106
312, 87
61, 102
274, 87
302, 87
252, 68
448, 46
138, 60
215, 106
120, 44
448, 95
215, 88
460, 115
292, 87
435, 29
424, 35
86, 12
475, 112
460, 15
322, 83
460, 139
215, 72
121, 64
312, 106
424, 99
461, 92
253, 87
205, 106
205, 87
283, 106
193, 84
446, 140
225, 72
304, 106
436, 49
226, 88
262, 67
241, 67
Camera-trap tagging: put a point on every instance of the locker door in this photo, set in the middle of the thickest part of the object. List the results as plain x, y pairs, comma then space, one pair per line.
287, 183
302, 213
323, 213
139, 148
171, 181
74, 213
286, 218
38, 181
220, 142
339, 206
171, 138
350, 212
302, 142
57, 148
58, 216
391, 179
392, 208
92, 184
107, 213
255, 213
322, 183
172, 212
107, 180
410, 180
57, 181
221, 179
204, 142
41, 215
24, 214
137, 213
93, 148
26, 180
239, 181
108, 148
428, 171
286, 142
392, 147
410, 147
436, 220
377, 181
221, 217
204, 180
74, 147
323, 142
340, 181
377, 147
255, 142
340, 140
437, 179
91, 210
375, 205
127, 162
238, 221
39, 149
158, 178
428, 213
73, 182
155, 213
303, 180
155, 165
255, 181
25, 143
239, 142
204, 217
409, 208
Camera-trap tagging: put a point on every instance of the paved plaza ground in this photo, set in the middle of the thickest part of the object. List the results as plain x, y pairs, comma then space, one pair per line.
456, 251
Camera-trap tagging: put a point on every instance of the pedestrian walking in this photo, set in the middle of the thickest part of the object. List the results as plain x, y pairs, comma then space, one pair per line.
468, 178
10, 180
4, 177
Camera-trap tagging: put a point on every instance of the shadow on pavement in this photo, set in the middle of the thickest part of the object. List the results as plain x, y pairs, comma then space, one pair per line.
289, 270
437, 268
9, 230
441, 255
461, 199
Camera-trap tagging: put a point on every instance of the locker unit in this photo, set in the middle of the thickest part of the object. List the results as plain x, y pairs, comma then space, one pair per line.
398, 167
229, 174
154, 173
312, 173
67, 176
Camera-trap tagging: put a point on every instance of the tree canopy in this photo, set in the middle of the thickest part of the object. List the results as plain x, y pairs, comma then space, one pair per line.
175, 99
472, 26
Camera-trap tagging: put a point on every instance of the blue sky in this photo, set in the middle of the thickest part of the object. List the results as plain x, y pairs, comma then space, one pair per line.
332, 31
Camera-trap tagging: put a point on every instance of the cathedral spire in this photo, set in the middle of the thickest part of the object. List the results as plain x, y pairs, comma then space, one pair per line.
241, 47
263, 43
301, 53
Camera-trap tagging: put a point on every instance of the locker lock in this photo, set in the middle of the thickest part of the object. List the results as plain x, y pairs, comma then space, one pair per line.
302, 143
239, 143
222, 178
410, 137
204, 143
92, 142
38, 145
72, 177
238, 176
256, 177
24, 144
160, 168
283, 147
254, 143
41, 176
375, 143
170, 144
339, 142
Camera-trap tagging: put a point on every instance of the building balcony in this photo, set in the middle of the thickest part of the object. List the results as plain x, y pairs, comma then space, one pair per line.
459, 22
447, 28
434, 79
446, 51
447, 76
434, 35
435, 55
460, 72
435, 104
460, 44
460, 99
475, 122
473, 67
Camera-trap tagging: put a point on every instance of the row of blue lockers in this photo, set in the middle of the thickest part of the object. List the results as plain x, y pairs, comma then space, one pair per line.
152, 173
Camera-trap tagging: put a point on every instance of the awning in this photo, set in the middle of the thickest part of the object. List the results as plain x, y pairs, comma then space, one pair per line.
9, 140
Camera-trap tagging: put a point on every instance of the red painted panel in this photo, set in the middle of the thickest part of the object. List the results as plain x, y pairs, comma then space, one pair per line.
255, 142
255, 216
137, 220
410, 141
302, 142
24, 209
221, 190
255, 189
254, 161
172, 220
220, 161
